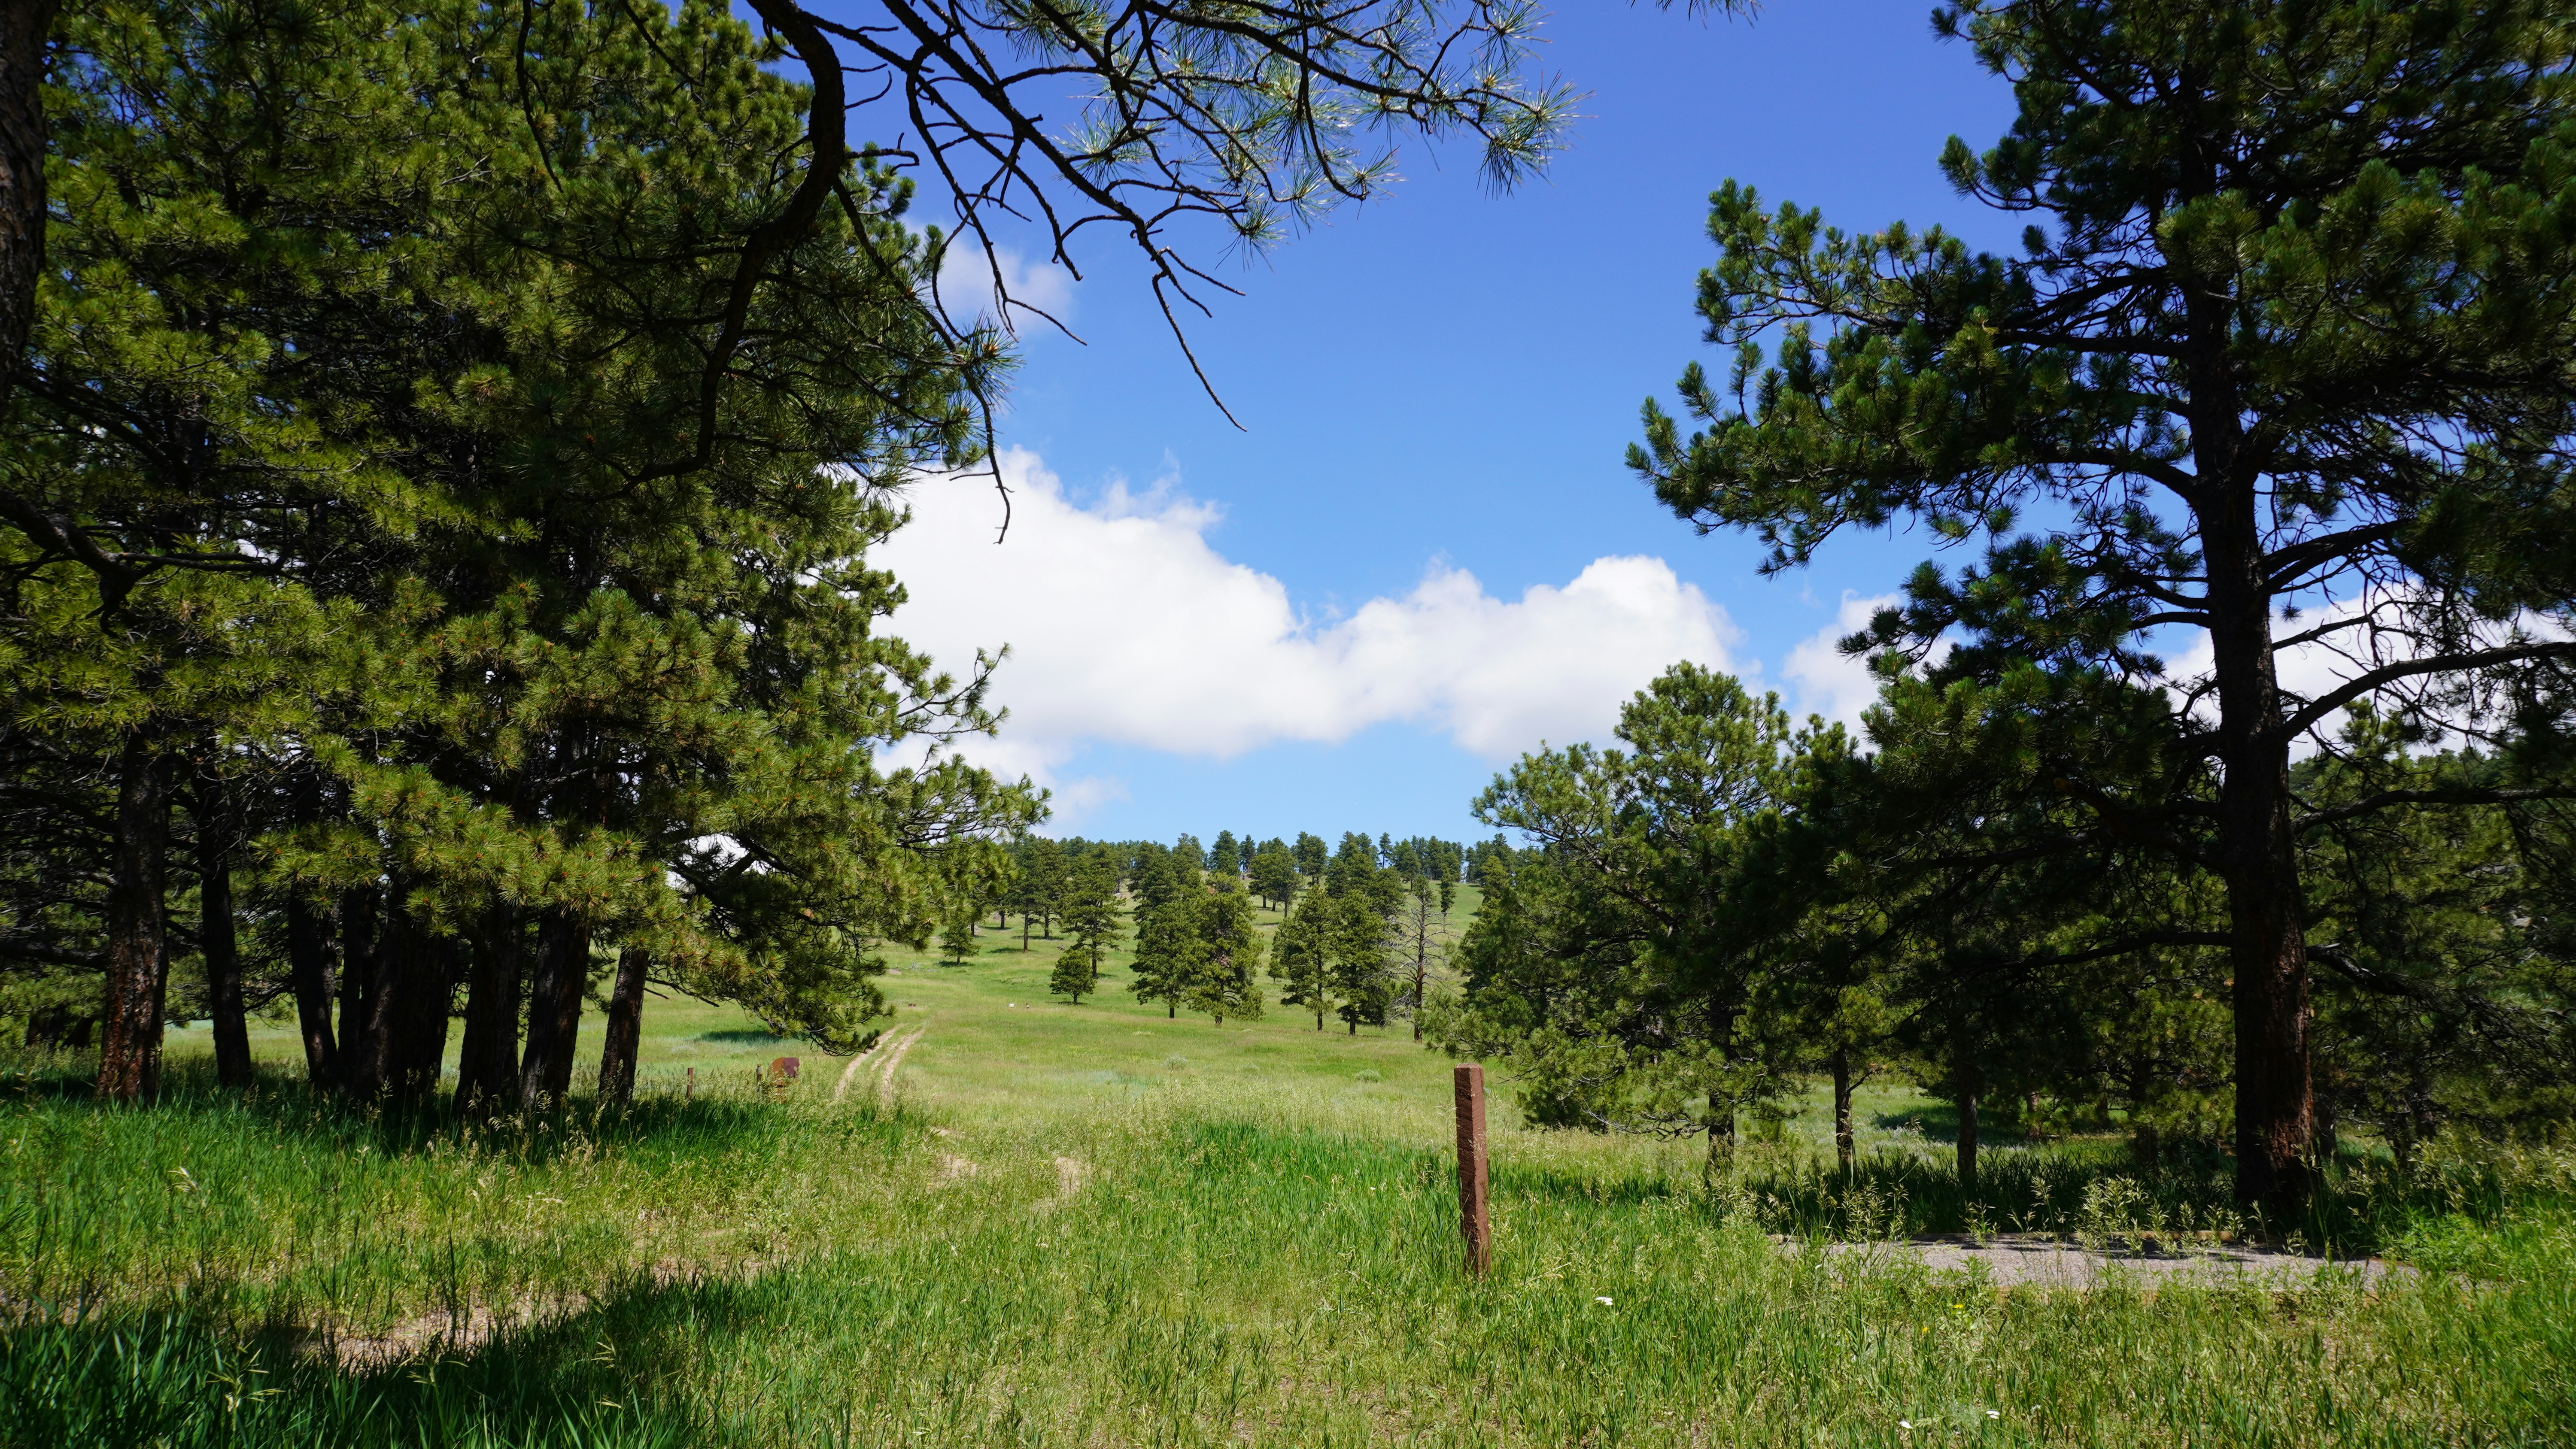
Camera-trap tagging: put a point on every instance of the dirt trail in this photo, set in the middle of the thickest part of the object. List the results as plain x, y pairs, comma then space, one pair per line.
874, 1054
894, 1064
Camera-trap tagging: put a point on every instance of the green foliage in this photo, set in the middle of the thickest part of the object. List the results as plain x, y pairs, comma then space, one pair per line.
1274, 876
1091, 916
1171, 943
1310, 852
1231, 948
1627, 968
1040, 884
1301, 954
2447, 999
1361, 945
361, 358
2282, 359
1076, 974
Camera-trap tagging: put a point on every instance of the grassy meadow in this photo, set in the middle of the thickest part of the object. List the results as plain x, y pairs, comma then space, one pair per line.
1096, 1226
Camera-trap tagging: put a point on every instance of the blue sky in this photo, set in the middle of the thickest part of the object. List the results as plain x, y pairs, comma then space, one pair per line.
1323, 621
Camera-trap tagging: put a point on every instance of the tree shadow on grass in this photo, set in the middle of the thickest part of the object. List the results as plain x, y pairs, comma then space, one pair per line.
1509, 1180
1939, 1122
746, 1036
595, 1379
283, 1103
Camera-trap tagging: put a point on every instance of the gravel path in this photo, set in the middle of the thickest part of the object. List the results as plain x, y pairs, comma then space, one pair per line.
2054, 1262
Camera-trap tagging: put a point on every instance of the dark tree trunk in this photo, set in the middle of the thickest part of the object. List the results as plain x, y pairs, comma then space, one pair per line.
2274, 1108
1843, 1110
367, 961
308, 958
1721, 1134
554, 1011
2258, 857
421, 978
1968, 1088
487, 1068
23, 24
626, 1029
218, 831
129, 1067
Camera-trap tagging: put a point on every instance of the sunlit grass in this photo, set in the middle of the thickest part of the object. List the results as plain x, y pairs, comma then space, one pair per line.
1096, 1226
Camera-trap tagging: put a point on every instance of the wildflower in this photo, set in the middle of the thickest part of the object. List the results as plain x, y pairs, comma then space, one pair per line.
1994, 1413
1604, 1302
1905, 1424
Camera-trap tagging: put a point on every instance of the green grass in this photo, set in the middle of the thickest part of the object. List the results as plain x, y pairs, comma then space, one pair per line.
1096, 1226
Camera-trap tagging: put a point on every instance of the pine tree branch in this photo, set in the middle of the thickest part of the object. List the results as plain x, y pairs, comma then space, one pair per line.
2326, 704
2369, 804
57, 534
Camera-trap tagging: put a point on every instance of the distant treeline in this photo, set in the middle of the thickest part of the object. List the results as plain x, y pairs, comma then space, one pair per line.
1365, 922
1276, 868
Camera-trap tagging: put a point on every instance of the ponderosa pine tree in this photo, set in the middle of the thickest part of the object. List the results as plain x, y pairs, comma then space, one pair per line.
1622, 966
1254, 122
1311, 854
1301, 955
1361, 942
1047, 879
1273, 876
2287, 333
1425, 941
1076, 974
1091, 916
543, 697
1230, 951
2449, 912
1171, 945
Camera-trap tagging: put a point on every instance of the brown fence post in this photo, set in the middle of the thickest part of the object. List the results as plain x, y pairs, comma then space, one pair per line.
1473, 1222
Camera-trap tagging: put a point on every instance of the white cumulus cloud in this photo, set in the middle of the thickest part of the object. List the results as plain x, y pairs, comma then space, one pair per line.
967, 291
1829, 682
1127, 627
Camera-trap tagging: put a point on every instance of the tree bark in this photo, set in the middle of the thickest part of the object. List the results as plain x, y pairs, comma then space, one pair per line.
23, 26
1721, 1134
365, 997
487, 1067
1969, 1085
420, 977
218, 831
554, 1011
129, 1067
626, 1029
2258, 853
1843, 1110
308, 959
2258, 859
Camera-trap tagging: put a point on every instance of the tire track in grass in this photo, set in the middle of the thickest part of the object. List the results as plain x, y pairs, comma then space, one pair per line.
894, 1064
841, 1088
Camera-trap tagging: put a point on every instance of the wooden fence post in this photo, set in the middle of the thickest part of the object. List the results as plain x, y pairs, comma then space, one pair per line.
1473, 1222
